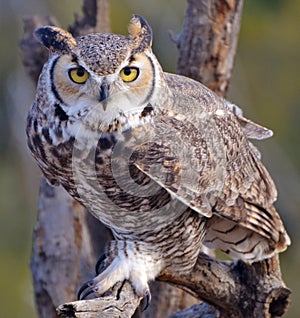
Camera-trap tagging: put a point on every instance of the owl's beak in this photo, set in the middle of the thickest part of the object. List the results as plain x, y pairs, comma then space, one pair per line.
103, 96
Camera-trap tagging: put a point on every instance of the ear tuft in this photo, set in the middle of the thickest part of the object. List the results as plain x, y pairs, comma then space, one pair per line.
141, 32
55, 39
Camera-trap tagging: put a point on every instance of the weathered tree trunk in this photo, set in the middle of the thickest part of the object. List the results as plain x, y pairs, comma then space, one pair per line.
67, 240
207, 43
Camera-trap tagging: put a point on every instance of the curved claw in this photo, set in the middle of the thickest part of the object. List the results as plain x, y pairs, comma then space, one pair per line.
85, 290
146, 300
99, 264
88, 292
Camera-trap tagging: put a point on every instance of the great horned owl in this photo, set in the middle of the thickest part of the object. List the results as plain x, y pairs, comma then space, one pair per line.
159, 158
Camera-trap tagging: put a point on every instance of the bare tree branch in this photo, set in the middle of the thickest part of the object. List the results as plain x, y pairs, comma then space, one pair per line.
235, 289
122, 303
32, 53
63, 253
207, 43
202, 310
95, 18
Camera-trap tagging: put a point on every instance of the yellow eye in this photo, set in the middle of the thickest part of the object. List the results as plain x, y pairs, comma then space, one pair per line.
78, 75
129, 74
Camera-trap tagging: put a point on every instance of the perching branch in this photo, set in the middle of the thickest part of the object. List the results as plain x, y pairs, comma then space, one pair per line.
122, 303
67, 240
235, 289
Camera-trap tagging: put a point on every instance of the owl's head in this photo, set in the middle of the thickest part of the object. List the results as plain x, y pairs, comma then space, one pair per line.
108, 73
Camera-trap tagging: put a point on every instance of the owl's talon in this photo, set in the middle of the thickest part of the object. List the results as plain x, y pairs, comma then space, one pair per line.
87, 293
85, 290
99, 267
146, 300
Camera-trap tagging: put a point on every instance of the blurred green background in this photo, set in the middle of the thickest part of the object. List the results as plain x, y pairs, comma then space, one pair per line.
265, 84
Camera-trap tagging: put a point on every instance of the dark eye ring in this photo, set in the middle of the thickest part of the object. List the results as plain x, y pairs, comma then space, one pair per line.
78, 75
129, 74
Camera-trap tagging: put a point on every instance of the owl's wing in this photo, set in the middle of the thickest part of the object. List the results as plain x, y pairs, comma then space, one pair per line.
210, 166
252, 130
181, 159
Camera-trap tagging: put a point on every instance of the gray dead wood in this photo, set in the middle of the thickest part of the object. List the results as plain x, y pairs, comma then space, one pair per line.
121, 303
63, 249
67, 240
208, 40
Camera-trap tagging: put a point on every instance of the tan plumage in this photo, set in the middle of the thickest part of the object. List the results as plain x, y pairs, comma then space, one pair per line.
159, 158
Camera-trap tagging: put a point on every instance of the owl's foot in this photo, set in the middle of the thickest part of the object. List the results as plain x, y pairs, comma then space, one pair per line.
97, 285
129, 263
89, 288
